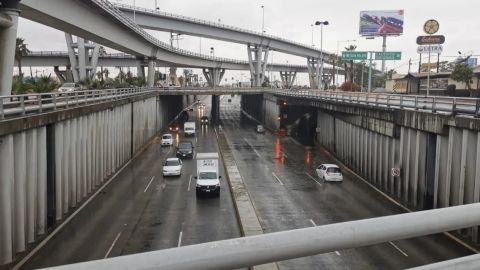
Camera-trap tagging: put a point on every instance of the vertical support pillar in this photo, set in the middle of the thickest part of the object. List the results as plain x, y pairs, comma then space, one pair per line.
151, 72
258, 60
82, 66
313, 66
8, 36
31, 178
94, 60
20, 175
6, 199
72, 57
58, 170
41, 180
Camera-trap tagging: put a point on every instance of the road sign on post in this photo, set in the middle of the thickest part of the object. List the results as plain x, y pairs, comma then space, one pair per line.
388, 55
354, 55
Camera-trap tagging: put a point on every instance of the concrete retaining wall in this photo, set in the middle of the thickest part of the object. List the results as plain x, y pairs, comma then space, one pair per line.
48, 170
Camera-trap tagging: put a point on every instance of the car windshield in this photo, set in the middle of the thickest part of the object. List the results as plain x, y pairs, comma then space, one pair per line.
167, 137
208, 175
184, 146
333, 170
172, 163
68, 85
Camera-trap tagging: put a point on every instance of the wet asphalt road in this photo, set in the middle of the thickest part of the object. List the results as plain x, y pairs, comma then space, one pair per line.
280, 176
143, 211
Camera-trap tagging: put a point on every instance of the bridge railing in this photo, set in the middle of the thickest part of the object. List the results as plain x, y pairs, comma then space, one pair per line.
434, 104
21, 105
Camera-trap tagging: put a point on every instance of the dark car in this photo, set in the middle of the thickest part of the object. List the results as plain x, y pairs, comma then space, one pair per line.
204, 120
185, 149
174, 127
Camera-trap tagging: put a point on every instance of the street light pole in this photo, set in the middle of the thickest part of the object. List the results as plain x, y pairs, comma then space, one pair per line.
320, 76
263, 19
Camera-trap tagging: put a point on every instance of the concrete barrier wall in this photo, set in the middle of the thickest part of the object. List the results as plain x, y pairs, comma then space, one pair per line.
271, 113
435, 170
47, 171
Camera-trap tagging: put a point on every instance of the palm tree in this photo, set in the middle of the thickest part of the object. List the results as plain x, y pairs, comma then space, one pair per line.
350, 48
21, 51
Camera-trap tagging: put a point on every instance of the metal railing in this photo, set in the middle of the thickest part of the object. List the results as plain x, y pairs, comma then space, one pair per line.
28, 104
65, 54
434, 104
272, 247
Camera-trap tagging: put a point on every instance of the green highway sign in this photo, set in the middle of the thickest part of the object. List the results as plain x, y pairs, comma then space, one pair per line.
354, 55
388, 55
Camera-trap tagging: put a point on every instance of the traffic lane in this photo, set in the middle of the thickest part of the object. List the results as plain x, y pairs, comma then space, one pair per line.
333, 216
275, 207
103, 218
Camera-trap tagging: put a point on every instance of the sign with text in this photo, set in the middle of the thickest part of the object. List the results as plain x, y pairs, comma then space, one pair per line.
388, 55
429, 40
436, 49
354, 55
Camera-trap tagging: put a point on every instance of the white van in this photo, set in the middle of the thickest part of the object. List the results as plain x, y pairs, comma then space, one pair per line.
208, 178
189, 128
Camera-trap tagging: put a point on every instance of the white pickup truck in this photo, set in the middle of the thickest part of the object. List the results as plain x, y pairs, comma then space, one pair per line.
208, 178
189, 128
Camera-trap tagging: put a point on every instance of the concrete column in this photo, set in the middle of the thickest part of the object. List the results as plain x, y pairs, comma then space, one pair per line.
72, 176
31, 177
20, 191
79, 160
140, 69
66, 168
72, 57
6, 199
94, 60
258, 60
476, 189
58, 170
151, 73
83, 131
41, 180
82, 66
8, 37
88, 135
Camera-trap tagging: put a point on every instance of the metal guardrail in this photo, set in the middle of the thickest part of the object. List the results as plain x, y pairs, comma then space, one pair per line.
21, 105
65, 54
434, 104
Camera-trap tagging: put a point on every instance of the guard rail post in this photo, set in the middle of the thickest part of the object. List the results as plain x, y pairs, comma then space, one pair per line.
54, 99
416, 103
454, 106
76, 98
477, 108
434, 104
376, 100
401, 102
388, 101
22, 104
40, 102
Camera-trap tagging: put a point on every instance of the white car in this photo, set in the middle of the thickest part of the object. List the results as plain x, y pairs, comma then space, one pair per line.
329, 172
172, 167
167, 139
69, 87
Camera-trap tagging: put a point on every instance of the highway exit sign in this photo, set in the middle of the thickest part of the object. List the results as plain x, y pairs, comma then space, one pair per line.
354, 55
388, 55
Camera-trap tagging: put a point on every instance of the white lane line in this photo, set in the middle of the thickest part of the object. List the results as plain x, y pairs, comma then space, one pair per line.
216, 134
256, 152
112, 245
180, 239
313, 178
196, 139
169, 150
401, 251
149, 183
249, 144
189, 182
338, 253
278, 179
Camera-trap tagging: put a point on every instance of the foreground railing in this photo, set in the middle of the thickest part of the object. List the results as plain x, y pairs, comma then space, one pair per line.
433, 104
273, 247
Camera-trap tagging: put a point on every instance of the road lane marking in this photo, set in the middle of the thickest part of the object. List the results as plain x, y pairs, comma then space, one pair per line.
189, 182
285, 155
196, 140
313, 178
112, 245
278, 179
315, 225
216, 134
180, 239
254, 150
396, 247
149, 183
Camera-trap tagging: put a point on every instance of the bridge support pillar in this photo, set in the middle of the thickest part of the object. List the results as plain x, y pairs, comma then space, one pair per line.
83, 56
8, 34
215, 109
151, 73
257, 59
288, 78
313, 65
63, 75
213, 75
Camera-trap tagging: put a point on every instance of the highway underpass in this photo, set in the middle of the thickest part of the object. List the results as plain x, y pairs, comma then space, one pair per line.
143, 211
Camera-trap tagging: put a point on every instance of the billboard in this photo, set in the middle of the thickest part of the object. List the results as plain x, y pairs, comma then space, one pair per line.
381, 22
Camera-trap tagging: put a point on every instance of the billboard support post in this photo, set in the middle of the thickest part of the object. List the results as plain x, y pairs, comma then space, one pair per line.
370, 73
428, 74
384, 49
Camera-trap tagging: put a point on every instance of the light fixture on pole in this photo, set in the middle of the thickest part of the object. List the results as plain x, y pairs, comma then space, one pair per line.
320, 76
156, 5
263, 19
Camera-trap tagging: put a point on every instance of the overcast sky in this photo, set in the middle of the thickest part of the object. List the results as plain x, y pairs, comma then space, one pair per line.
292, 20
